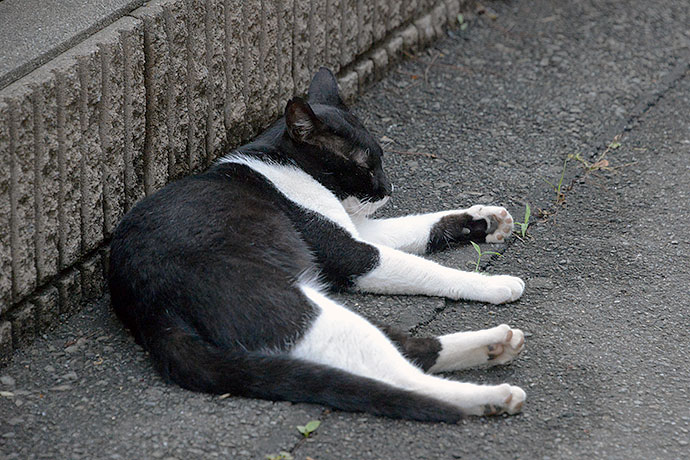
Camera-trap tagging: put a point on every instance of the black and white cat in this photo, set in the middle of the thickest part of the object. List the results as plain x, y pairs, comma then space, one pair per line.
223, 276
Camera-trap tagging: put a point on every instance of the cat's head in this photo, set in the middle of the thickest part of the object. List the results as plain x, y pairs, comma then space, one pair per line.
335, 147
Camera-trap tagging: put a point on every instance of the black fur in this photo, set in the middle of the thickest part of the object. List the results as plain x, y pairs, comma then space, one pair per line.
422, 351
204, 271
457, 228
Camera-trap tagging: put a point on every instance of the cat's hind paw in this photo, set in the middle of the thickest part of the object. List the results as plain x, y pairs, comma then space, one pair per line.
507, 347
499, 222
510, 401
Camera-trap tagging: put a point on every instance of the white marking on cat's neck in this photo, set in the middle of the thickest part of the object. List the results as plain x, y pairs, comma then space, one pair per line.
356, 207
300, 188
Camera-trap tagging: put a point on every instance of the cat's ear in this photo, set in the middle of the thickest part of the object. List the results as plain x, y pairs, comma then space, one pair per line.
300, 120
324, 89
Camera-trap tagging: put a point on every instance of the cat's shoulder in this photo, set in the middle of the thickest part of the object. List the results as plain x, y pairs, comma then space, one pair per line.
296, 185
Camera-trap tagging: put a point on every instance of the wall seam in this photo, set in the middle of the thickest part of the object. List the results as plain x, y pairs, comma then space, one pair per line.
39, 153
14, 237
127, 123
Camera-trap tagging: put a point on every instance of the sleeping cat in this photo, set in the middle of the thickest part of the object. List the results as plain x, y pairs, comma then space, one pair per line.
223, 276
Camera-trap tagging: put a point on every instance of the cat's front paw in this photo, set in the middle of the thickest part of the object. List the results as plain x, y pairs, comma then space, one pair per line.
501, 289
499, 222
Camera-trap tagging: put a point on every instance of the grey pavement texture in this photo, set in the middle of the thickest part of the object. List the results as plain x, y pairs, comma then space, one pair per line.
605, 309
35, 31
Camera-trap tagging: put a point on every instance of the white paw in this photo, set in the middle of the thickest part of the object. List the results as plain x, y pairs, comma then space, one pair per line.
499, 222
509, 400
509, 344
502, 289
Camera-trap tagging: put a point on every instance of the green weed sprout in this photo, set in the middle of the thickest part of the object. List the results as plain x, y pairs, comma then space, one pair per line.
525, 224
560, 196
480, 254
461, 21
309, 428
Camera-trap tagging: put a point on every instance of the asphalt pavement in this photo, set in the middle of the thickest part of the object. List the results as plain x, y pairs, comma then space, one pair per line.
596, 92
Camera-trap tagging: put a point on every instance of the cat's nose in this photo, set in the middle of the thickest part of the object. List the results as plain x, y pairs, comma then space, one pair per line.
387, 186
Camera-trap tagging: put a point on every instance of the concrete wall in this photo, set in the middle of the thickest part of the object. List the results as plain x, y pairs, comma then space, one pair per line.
159, 94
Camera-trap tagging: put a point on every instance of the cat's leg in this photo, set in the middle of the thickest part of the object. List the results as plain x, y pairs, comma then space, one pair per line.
342, 339
461, 350
425, 233
348, 261
396, 272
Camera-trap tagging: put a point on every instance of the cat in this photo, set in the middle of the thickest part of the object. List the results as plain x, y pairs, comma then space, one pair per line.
223, 277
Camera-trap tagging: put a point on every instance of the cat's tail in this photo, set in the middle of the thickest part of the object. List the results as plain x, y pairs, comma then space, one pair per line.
186, 359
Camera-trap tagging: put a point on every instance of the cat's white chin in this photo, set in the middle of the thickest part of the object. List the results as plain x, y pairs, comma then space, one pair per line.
356, 207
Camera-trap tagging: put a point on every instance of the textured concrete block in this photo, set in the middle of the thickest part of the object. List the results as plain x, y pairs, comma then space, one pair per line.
252, 76
91, 155
452, 11
395, 16
317, 35
301, 72
105, 258
425, 29
365, 74
134, 120
410, 37
425, 6
198, 75
348, 85
333, 25
23, 319
216, 137
92, 279
169, 37
349, 30
380, 59
286, 14
409, 9
47, 185
157, 151
394, 49
269, 61
111, 131
439, 18
365, 25
47, 305
22, 193
5, 341
236, 123
380, 19
69, 162
69, 291
5, 210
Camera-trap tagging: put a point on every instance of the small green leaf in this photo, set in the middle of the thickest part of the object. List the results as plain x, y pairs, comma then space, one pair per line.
461, 19
614, 145
313, 425
476, 248
309, 428
527, 213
